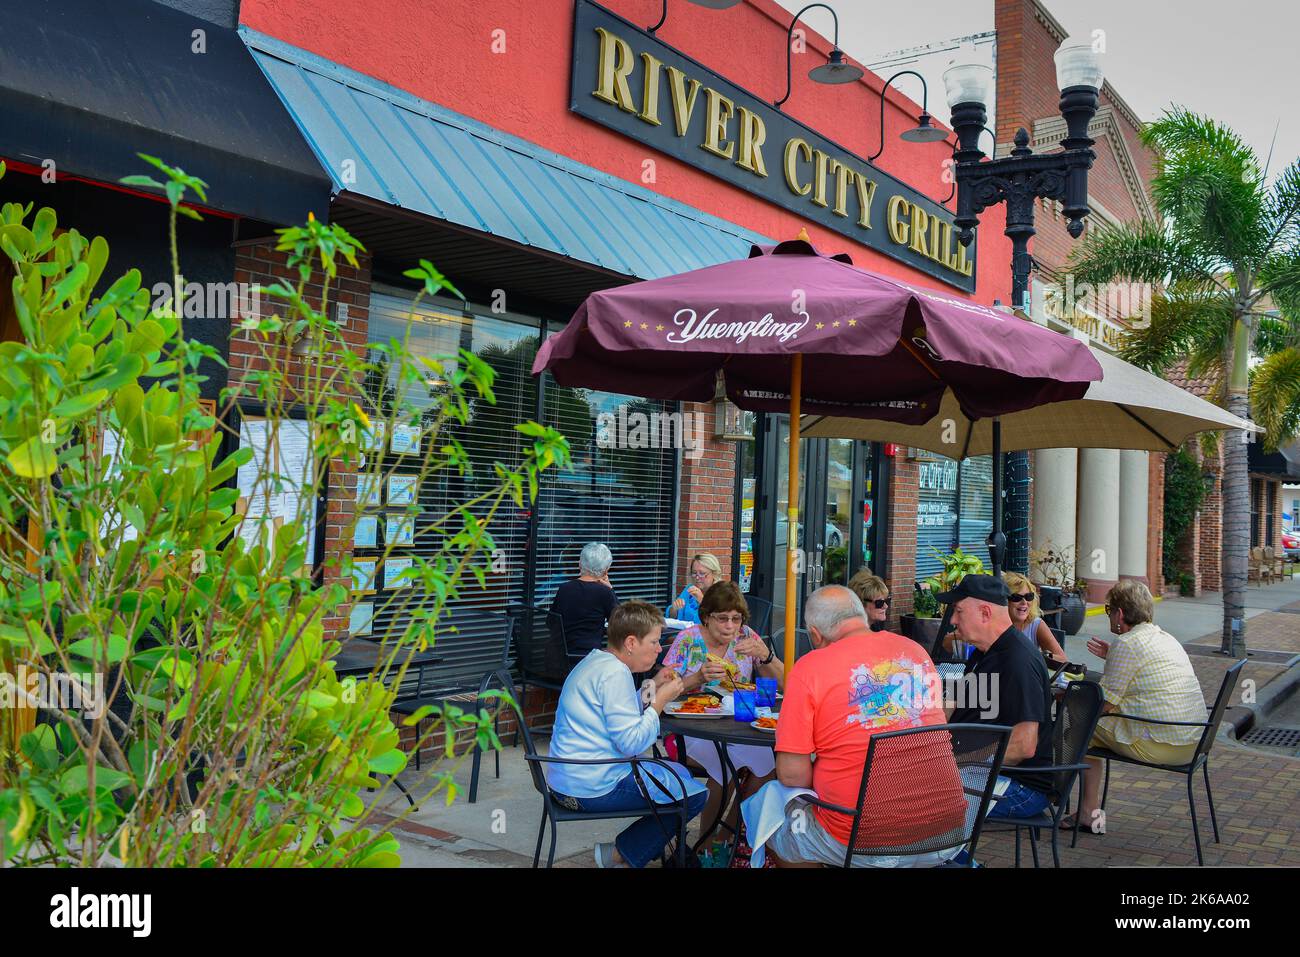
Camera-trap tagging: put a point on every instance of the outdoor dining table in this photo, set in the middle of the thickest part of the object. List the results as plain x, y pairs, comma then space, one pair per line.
721, 731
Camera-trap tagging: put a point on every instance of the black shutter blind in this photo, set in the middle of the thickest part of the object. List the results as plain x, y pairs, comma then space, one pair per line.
611, 493
976, 507
936, 514
467, 637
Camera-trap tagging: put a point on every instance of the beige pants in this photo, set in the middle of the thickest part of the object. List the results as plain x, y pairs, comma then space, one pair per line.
1143, 749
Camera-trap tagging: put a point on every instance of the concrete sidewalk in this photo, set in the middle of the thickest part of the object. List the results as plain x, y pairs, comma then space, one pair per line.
1257, 794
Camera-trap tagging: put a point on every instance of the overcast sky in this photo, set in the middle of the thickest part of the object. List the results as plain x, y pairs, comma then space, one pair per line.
1234, 61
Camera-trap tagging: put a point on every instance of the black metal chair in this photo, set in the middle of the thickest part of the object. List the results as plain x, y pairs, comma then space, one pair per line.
977, 749
543, 662
760, 614
802, 643
433, 689
554, 812
1200, 759
1076, 719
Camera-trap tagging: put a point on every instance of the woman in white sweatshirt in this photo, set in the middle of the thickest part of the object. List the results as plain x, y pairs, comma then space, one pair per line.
600, 716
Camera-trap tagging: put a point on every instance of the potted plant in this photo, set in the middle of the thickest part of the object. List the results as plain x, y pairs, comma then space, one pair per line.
1059, 588
922, 626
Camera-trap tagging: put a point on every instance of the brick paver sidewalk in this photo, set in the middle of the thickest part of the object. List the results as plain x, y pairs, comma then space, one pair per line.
1256, 794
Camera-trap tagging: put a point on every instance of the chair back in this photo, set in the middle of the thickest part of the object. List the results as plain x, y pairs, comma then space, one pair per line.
530, 750
905, 768
560, 658
802, 643
1216, 713
1076, 719
760, 614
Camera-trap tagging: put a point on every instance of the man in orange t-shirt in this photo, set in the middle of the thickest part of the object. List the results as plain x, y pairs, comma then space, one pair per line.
854, 684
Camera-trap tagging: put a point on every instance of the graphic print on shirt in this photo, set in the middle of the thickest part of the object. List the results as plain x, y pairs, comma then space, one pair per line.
888, 693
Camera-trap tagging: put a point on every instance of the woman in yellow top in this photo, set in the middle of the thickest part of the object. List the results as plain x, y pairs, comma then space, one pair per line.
1147, 675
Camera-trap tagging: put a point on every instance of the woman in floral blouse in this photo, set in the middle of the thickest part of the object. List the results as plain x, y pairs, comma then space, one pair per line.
724, 634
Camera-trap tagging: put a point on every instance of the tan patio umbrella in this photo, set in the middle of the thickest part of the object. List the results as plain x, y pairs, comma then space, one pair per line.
1128, 409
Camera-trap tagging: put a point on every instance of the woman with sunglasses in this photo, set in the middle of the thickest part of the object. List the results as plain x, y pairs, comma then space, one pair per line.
706, 571
1027, 616
874, 593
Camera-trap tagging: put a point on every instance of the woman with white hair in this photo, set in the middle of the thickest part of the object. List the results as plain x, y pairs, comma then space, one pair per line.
584, 603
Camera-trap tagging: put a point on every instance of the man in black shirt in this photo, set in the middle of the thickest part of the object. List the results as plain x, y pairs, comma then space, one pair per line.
1011, 684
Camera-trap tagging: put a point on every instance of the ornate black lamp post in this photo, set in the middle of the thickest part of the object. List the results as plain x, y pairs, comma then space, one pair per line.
1019, 180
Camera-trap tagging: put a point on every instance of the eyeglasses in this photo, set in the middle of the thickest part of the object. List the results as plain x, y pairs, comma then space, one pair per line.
728, 619
881, 602
701, 574
1109, 609
1027, 597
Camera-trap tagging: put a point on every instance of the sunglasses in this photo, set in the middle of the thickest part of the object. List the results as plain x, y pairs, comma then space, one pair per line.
881, 602
1026, 598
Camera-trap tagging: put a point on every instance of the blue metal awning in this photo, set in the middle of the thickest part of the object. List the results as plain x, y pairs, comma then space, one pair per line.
388, 145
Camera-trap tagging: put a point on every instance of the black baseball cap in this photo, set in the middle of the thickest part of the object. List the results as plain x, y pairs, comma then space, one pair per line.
989, 588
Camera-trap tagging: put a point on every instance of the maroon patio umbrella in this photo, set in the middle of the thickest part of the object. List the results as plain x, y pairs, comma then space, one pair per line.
793, 330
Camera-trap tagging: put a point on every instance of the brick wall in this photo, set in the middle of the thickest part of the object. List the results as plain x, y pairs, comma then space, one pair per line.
706, 518
251, 352
904, 482
1210, 528
1156, 522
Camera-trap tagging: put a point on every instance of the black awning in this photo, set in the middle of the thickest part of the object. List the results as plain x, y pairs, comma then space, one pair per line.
1270, 464
89, 84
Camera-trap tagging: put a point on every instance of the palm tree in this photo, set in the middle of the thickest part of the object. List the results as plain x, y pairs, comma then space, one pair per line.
1225, 255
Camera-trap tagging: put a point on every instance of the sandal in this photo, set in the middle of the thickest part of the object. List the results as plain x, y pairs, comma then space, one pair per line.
1070, 823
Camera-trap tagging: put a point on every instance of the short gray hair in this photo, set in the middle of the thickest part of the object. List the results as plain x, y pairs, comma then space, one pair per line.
595, 559
830, 606
1134, 601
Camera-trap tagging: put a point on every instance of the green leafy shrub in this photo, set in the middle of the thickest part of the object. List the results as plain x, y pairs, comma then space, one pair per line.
221, 736
1185, 491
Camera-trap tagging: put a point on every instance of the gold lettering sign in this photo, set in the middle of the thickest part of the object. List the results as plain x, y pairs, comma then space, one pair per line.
792, 147
612, 71
719, 111
746, 133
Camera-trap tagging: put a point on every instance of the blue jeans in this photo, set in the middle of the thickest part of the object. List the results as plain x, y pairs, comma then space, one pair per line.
1019, 801
644, 839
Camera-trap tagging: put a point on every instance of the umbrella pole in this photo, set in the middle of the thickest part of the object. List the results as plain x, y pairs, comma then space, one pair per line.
997, 541
792, 511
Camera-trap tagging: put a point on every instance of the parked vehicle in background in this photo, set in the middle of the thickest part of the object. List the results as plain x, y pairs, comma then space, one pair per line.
1291, 546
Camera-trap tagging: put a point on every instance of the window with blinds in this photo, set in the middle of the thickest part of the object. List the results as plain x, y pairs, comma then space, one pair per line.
936, 514
976, 514
617, 490
470, 635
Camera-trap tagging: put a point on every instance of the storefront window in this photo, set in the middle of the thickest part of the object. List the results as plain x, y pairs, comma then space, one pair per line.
508, 345
976, 516
936, 513
611, 493
746, 459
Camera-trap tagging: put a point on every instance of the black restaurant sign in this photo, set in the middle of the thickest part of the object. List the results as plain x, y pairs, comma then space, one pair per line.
632, 82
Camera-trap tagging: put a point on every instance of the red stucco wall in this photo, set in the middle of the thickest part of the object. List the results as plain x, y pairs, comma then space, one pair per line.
442, 50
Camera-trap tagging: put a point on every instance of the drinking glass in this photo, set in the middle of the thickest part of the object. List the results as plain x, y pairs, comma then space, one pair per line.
745, 702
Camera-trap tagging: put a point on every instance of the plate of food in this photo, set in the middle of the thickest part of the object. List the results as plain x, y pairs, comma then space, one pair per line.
697, 706
765, 723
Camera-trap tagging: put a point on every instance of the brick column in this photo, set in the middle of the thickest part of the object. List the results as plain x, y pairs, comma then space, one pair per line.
261, 263
1210, 530
904, 485
1156, 517
706, 514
